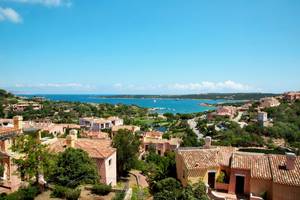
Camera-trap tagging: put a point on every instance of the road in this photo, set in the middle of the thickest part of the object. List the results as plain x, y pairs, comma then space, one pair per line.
238, 117
193, 123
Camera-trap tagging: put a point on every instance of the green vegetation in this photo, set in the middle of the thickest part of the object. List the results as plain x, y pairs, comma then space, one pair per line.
119, 195
34, 158
101, 189
170, 189
221, 177
157, 167
1, 170
285, 124
74, 167
5, 99
28, 193
127, 145
139, 193
65, 193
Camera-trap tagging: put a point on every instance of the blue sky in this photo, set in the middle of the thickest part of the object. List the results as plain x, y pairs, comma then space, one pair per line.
149, 46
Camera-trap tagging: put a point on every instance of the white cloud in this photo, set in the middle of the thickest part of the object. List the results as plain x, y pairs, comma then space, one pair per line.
201, 87
211, 86
54, 3
9, 14
54, 85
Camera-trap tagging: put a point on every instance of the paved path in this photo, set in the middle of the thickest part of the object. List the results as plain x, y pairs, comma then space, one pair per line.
238, 117
193, 123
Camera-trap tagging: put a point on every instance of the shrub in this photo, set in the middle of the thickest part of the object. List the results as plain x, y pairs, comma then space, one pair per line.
59, 191
1, 170
101, 189
119, 195
64, 192
28, 193
221, 178
72, 194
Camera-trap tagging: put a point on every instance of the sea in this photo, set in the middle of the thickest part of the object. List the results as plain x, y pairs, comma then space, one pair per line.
157, 105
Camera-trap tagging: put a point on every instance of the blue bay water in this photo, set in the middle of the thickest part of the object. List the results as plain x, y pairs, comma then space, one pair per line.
160, 105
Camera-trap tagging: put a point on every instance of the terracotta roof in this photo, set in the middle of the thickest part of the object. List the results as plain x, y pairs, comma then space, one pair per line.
258, 164
126, 127
5, 130
153, 134
261, 166
204, 158
95, 134
280, 174
96, 148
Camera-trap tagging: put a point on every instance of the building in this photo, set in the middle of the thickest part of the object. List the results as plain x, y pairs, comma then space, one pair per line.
21, 106
97, 124
98, 149
10, 181
269, 102
262, 118
154, 139
130, 128
250, 174
48, 126
291, 96
227, 111
95, 134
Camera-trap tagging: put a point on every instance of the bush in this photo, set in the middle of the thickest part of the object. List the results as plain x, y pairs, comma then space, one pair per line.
1, 170
101, 189
30, 193
221, 178
119, 195
64, 192
59, 191
72, 194
22, 194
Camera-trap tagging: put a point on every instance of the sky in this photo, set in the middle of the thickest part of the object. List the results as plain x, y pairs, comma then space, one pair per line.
149, 46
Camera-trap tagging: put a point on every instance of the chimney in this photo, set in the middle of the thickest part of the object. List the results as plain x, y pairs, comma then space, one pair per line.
39, 136
207, 142
73, 132
70, 139
18, 122
290, 160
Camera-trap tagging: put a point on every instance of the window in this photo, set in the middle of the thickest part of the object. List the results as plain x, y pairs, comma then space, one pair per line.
109, 162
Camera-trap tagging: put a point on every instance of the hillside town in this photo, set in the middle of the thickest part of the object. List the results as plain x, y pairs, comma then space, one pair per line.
129, 160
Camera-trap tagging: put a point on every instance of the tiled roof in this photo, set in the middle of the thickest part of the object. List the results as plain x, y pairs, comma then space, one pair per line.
262, 166
204, 158
126, 127
96, 148
153, 134
258, 164
280, 174
5, 130
95, 134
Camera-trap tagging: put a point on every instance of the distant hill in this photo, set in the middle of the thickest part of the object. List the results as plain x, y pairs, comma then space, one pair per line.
5, 94
231, 96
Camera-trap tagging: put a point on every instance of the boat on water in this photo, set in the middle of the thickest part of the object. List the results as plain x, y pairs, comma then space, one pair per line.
205, 104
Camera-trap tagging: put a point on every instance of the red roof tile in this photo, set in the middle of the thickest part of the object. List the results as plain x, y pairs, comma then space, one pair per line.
280, 174
96, 148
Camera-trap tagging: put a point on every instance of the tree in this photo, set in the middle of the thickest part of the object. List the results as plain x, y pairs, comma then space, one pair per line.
159, 167
171, 189
34, 158
167, 189
127, 145
190, 139
74, 167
